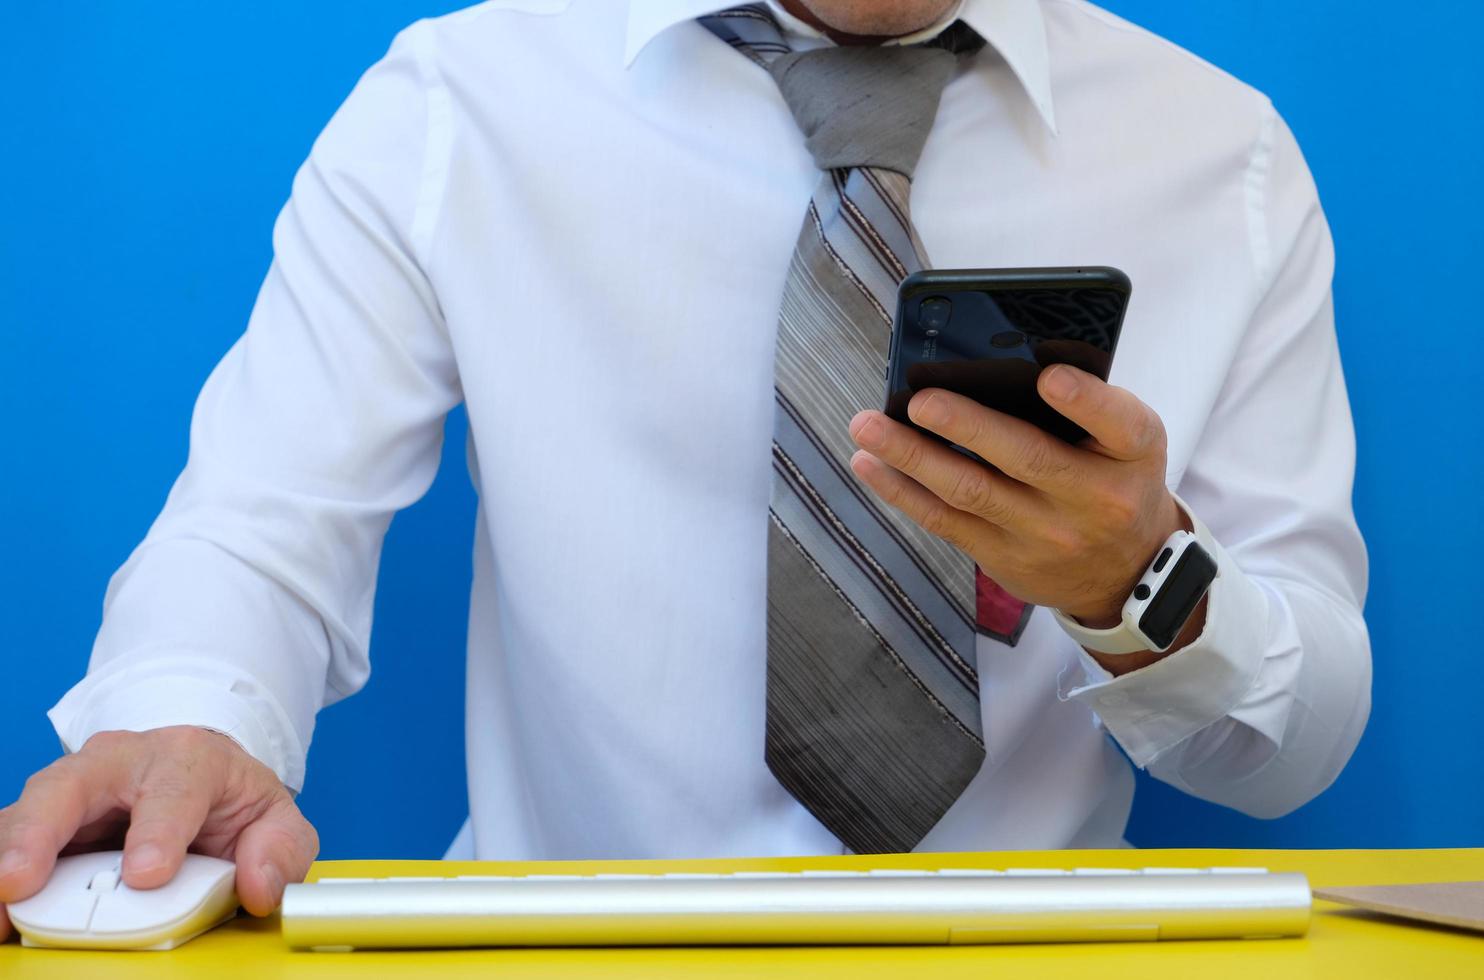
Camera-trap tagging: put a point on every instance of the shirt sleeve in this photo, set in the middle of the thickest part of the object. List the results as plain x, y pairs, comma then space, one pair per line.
1264, 709
247, 607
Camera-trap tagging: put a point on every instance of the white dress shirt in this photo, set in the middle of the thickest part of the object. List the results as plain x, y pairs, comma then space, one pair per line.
576, 218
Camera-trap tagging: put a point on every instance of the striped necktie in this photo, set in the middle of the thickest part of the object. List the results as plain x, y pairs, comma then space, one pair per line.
873, 691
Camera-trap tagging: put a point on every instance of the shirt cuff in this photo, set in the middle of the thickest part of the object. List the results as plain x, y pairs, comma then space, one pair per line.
178, 690
1151, 710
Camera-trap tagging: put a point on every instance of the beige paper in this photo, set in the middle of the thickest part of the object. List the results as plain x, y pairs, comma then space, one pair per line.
1451, 903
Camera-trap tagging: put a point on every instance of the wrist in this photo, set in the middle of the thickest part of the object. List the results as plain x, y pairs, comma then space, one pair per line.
1150, 625
1102, 617
1108, 611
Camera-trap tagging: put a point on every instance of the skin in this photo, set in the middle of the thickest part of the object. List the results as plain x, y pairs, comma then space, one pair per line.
1071, 527
867, 21
157, 793
1065, 526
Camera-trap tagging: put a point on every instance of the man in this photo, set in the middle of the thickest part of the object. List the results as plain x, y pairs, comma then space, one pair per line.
578, 219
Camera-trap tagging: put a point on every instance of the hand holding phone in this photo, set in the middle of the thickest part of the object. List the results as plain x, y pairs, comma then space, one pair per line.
1067, 524
988, 333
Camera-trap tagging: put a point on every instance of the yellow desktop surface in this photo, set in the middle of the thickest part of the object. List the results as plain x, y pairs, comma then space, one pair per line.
1342, 943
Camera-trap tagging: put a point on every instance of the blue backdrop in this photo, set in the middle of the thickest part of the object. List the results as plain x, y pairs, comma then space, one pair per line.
146, 148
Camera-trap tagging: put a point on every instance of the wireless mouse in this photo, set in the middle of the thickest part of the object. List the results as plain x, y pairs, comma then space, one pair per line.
86, 905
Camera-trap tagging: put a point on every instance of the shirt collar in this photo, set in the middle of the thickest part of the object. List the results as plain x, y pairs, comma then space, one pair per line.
1014, 28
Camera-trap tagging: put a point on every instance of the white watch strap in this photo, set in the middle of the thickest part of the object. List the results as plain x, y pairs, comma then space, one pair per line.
1123, 638
1119, 639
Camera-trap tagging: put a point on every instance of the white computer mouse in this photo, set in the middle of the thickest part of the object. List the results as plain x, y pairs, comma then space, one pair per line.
86, 905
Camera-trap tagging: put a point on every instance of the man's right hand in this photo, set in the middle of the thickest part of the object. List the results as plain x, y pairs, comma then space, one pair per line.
160, 793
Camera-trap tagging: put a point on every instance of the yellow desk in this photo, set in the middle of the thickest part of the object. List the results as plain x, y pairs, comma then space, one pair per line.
1342, 943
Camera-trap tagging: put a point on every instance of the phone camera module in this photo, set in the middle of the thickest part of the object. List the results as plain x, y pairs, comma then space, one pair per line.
933, 315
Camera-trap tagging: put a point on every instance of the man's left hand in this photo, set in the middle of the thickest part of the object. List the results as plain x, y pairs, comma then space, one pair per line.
1071, 527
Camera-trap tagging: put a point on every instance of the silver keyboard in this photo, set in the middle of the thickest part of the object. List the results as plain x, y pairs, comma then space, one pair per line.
826, 907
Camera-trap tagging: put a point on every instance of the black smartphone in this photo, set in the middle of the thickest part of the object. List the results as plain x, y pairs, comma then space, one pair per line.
988, 333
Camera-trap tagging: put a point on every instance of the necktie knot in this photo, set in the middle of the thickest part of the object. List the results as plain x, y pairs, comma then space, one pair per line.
857, 106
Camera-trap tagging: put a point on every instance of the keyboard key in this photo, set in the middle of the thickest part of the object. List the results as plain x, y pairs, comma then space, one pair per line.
896, 873
348, 881
1096, 872
969, 873
1170, 871
1036, 872
409, 880
1239, 871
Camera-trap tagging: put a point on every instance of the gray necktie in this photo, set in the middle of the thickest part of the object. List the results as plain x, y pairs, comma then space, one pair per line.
873, 697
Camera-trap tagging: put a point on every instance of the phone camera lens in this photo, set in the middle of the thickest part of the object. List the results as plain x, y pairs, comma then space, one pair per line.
933, 316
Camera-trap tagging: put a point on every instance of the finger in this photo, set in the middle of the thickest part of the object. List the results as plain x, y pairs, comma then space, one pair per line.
921, 505
173, 801
70, 792
957, 480
1122, 426
1022, 451
274, 850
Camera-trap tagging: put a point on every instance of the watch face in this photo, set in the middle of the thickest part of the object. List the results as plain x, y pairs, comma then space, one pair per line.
1177, 598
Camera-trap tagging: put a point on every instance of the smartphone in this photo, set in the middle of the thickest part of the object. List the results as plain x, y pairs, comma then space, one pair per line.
988, 333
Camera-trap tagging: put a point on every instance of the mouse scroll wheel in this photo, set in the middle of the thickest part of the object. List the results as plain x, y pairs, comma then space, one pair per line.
104, 881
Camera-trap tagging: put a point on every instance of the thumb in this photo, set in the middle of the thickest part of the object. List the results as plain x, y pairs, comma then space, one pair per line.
273, 851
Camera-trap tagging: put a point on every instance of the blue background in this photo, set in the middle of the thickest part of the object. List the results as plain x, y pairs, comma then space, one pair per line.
146, 149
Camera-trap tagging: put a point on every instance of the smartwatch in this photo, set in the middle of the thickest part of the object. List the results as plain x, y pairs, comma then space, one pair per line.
1160, 605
